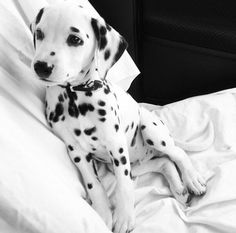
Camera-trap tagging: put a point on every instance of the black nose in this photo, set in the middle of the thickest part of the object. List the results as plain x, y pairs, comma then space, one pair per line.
42, 69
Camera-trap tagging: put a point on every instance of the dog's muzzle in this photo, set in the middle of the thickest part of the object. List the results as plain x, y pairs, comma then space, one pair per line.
42, 69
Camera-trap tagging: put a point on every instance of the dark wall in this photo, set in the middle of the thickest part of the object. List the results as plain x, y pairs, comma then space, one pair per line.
182, 48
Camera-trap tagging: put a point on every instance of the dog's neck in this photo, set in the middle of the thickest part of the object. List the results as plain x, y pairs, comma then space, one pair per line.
91, 80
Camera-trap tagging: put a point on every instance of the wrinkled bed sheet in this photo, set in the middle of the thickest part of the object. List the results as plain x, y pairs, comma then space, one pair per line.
40, 190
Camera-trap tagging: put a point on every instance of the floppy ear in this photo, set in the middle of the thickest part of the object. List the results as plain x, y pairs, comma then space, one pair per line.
110, 46
34, 23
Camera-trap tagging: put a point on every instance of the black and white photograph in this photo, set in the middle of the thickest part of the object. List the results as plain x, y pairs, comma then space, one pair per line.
117, 116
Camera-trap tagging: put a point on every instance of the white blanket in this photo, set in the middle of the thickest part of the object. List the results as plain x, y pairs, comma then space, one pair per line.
206, 126
40, 190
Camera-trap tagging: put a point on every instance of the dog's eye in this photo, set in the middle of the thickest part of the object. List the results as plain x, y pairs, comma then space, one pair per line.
73, 40
39, 34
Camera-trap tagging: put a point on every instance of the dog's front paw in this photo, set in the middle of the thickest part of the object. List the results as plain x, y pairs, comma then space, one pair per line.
123, 219
194, 182
124, 214
180, 193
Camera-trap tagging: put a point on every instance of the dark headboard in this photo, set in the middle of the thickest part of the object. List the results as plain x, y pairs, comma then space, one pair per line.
182, 48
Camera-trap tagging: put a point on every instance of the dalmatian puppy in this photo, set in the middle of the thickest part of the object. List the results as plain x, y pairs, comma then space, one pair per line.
97, 120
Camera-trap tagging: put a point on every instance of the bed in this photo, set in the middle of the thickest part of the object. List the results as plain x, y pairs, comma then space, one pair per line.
40, 189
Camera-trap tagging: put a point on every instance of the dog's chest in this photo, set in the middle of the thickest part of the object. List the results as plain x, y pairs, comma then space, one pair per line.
74, 117
80, 119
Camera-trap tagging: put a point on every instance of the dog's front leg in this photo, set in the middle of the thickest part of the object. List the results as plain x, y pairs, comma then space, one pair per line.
123, 216
95, 190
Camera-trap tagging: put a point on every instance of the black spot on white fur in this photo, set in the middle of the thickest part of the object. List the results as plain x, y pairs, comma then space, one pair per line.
103, 31
60, 98
70, 148
116, 127
121, 48
39, 34
85, 107
39, 16
57, 113
126, 172
107, 90
103, 42
121, 150
94, 24
116, 161
101, 103
107, 54
88, 93
72, 108
77, 159
101, 112
143, 127
132, 125
123, 160
150, 142
34, 40
90, 186
77, 132
89, 157
90, 131
103, 119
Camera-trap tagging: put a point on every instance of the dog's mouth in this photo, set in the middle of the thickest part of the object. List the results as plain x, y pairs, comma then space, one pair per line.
63, 81
47, 82
53, 82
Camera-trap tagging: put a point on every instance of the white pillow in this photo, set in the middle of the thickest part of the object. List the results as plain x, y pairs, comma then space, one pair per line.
40, 188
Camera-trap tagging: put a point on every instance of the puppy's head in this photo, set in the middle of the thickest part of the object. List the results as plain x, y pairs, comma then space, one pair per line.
71, 43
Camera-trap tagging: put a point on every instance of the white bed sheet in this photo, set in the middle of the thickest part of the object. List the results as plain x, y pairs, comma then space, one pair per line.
208, 122
39, 186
